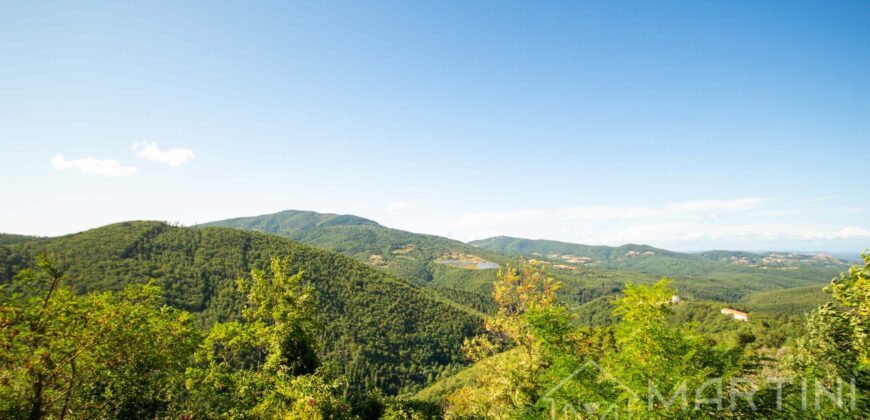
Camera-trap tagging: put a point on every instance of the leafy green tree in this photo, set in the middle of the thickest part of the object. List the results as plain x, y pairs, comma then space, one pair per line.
378, 331
656, 360
853, 292
96, 355
553, 368
265, 366
509, 383
835, 348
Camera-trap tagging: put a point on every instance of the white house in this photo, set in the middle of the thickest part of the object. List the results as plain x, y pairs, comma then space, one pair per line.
743, 316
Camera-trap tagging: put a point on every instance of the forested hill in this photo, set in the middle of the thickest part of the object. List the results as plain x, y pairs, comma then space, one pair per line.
717, 265
292, 223
380, 330
783, 260
587, 271
11, 238
520, 246
413, 256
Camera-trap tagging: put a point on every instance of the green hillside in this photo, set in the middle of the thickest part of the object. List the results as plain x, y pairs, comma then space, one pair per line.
440, 389
11, 238
418, 257
520, 246
382, 332
780, 260
430, 260
705, 276
794, 301
588, 272
769, 328
292, 223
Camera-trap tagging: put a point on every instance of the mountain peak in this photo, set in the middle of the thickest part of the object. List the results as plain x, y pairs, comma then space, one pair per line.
291, 222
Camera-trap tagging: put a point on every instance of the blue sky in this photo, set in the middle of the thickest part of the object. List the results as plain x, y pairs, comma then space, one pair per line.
687, 125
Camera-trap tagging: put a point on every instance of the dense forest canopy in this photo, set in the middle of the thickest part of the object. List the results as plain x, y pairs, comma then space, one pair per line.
532, 362
146, 319
410, 255
587, 272
387, 334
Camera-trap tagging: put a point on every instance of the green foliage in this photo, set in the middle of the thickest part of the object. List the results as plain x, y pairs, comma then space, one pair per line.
836, 348
104, 355
291, 222
704, 276
762, 331
791, 301
312, 334
266, 366
853, 290
526, 299
409, 255
378, 331
11, 238
650, 350
398, 409
615, 369
554, 366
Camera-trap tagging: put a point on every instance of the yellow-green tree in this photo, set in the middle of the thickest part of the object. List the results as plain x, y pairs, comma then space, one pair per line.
835, 348
509, 381
100, 355
266, 366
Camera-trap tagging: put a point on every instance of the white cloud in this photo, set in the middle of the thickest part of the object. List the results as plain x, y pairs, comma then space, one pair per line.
701, 209
397, 206
732, 233
717, 205
172, 157
741, 223
848, 232
92, 166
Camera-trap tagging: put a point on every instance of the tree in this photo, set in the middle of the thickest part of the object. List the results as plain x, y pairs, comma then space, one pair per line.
835, 348
853, 292
267, 365
96, 355
522, 295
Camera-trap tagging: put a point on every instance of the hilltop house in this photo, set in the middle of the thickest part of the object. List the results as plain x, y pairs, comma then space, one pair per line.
743, 316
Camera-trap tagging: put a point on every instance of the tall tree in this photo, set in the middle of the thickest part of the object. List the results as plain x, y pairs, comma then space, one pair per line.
265, 366
96, 355
509, 384
834, 352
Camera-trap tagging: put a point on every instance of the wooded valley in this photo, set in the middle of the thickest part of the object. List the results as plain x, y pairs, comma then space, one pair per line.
306, 315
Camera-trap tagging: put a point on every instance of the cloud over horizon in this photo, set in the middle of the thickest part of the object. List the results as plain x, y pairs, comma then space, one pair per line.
173, 157
740, 223
699, 209
93, 166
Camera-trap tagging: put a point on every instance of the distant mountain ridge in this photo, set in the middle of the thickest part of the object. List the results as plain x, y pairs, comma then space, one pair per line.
291, 223
426, 259
464, 272
587, 271
773, 271
601, 253
775, 259
522, 246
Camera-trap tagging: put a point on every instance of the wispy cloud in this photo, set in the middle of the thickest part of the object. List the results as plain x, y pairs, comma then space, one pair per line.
92, 166
172, 157
702, 209
740, 223
397, 206
736, 233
